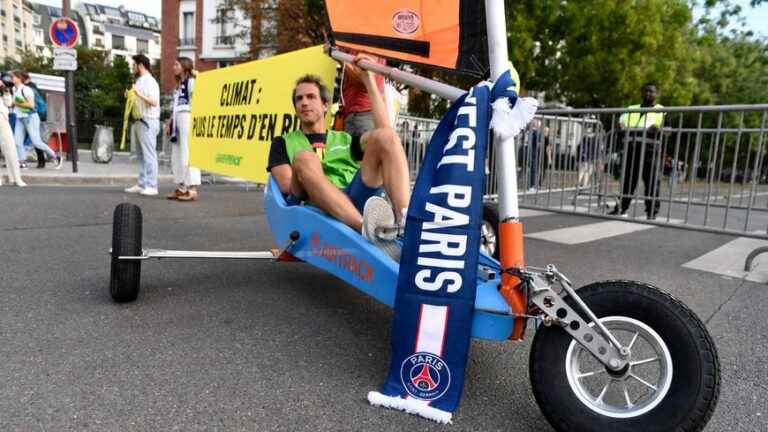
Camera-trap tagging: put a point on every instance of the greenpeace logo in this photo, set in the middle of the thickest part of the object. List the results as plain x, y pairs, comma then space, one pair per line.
227, 159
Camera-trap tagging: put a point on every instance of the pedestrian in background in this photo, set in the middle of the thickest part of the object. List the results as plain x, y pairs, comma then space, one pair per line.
187, 178
587, 153
355, 104
7, 140
546, 154
642, 135
27, 119
39, 101
532, 156
144, 130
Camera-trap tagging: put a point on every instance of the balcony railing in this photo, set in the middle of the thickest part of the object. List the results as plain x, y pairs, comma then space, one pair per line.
225, 40
186, 42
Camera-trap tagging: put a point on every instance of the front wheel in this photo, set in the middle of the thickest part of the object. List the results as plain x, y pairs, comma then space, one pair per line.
672, 381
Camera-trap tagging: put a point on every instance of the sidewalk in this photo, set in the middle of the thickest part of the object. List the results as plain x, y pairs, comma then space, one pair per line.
121, 171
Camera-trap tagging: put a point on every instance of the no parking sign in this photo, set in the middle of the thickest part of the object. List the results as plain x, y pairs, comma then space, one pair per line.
64, 32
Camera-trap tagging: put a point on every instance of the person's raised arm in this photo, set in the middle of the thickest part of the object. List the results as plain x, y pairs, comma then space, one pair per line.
378, 107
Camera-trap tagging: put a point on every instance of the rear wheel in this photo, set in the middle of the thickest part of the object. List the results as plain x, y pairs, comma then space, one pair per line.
489, 230
672, 381
126, 241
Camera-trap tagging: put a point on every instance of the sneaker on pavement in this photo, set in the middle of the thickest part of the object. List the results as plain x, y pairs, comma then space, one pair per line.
20, 183
59, 162
134, 189
379, 226
148, 191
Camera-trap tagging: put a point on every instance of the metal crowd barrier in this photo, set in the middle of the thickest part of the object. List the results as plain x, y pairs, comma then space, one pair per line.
705, 166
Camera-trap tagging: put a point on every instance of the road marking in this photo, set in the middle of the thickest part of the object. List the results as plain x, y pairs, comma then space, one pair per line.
590, 232
729, 259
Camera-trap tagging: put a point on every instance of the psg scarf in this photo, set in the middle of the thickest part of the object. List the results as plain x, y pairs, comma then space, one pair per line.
435, 298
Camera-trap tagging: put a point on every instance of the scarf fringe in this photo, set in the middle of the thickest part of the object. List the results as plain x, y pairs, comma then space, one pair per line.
508, 121
411, 406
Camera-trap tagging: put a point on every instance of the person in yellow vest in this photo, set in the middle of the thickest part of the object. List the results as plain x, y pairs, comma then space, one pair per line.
641, 135
340, 173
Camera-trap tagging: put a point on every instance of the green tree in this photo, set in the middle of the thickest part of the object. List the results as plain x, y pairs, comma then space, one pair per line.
100, 88
600, 52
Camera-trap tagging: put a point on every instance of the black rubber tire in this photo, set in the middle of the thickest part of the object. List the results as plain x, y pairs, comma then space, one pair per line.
126, 241
695, 386
491, 216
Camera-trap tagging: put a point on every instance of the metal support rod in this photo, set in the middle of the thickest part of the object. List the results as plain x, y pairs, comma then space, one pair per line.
162, 253
430, 86
506, 165
69, 105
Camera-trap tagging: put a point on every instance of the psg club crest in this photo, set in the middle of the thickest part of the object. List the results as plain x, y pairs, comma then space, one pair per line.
425, 376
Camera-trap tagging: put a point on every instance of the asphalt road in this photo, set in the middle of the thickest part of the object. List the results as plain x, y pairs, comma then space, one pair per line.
233, 345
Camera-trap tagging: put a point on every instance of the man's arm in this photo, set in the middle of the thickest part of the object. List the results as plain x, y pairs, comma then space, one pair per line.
279, 165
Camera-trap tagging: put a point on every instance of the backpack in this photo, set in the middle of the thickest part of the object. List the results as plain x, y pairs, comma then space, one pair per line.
41, 107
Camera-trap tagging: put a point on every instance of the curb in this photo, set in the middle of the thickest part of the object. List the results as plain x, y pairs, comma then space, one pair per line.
85, 180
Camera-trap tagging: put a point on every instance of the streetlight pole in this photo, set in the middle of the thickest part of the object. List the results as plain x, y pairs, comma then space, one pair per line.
70, 104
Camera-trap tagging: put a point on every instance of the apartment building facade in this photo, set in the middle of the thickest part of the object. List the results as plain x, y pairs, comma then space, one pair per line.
16, 28
214, 33
121, 32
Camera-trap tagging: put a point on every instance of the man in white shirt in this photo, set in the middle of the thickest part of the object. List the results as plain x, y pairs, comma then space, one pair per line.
145, 129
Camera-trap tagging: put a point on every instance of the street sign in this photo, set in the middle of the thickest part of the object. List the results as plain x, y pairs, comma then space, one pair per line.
64, 32
65, 52
64, 59
64, 64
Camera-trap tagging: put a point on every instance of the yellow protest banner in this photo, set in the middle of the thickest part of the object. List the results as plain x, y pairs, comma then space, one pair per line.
238, 110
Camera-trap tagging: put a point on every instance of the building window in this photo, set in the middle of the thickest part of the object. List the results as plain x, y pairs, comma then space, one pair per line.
98, 30
39, 34
37, 19
223, 17
142, 46
187, 29
19, 44
118, 42
119, 57
98, 42
223, 64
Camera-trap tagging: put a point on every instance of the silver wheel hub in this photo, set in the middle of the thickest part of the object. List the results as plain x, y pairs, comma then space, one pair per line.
632, 391
487, 238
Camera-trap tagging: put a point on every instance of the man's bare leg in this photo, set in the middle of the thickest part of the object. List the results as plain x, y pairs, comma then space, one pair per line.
384, 162
308, 173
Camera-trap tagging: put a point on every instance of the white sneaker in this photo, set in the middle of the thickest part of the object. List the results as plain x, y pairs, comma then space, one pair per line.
379, 226
20, 183
148, 191
134, 189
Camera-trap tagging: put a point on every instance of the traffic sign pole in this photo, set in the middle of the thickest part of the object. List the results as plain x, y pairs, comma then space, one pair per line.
70, 104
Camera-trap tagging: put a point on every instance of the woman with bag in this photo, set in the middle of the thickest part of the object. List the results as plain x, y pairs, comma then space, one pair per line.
187, 178
27, 118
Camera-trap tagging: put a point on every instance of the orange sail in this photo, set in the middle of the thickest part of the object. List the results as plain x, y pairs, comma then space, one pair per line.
448, 34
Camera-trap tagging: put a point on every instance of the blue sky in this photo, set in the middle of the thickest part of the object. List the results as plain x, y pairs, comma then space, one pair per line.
756, 18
